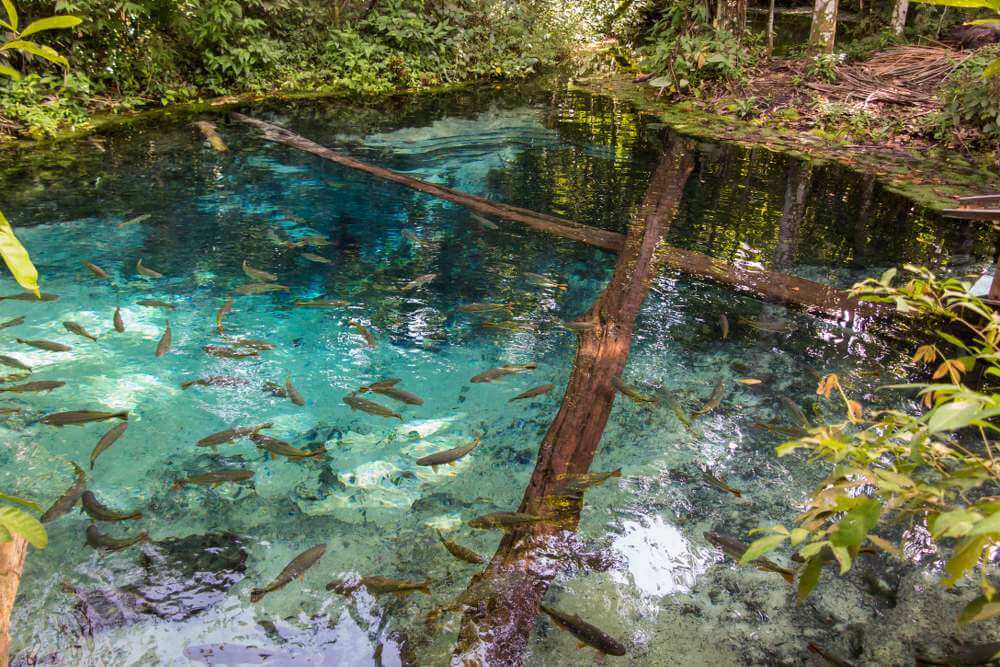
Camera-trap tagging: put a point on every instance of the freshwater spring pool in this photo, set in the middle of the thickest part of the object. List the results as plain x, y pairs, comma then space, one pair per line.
671, 596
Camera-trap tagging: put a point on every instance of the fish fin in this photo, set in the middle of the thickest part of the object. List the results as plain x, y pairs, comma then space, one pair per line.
364, 390
256, 594
580, 645
451, 463
788, 576
617, 472
434, 468
179, 483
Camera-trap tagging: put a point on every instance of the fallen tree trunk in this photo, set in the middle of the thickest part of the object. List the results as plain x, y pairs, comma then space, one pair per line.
12, 554
502, 602
773, 285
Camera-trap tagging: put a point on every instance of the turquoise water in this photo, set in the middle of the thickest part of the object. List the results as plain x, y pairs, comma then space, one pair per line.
668, 593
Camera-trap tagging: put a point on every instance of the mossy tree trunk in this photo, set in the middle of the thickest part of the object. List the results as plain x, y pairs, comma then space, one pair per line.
823, 35
731, 16
899, 12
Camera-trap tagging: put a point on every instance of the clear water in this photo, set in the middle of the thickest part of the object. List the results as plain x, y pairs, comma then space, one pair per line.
669, 593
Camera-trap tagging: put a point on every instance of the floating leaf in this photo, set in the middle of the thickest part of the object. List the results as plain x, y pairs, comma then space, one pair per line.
17, 259
16, 520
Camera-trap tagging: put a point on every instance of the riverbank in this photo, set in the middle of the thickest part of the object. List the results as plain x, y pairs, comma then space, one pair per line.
931, 176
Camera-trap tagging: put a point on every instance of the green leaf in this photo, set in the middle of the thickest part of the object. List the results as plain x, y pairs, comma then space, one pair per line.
16, 258
983, 22
809, 577
853, 529
16, 520
843, 557
6, 70
4, 535
760, 547
988, 526
21, 501
993, 69
964, 558
956, 523
953, 416
39, 50
979, 609
11, 15
956, 3
51, 23
799, 534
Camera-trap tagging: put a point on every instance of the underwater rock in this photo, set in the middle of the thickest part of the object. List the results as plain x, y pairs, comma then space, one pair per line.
181, 577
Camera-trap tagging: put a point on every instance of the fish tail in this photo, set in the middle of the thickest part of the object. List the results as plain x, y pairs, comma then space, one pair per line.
364, 390
187, 384
179, 484
617, 472
787, 575
425, 587
123, 415
256, 594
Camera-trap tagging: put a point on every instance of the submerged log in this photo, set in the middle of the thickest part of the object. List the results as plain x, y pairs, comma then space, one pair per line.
211, 135
772, 285
12, 554
501, 603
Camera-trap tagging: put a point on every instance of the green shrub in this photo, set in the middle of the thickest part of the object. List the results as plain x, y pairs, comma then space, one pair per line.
972, 98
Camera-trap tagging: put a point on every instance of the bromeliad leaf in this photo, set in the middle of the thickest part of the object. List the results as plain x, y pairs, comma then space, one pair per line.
760, 547
16, 520
16, 258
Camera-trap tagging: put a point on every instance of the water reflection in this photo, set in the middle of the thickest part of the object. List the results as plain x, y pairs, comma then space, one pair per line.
659, 559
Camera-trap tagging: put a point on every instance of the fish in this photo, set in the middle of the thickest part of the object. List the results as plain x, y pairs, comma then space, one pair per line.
45, 345
106, 441
99, 540
96, 270
580, 326
589, 634
714, 399
224, 310
378, 585
146, 271
795, 411
228, 352
510, 325
484, 307
539, 280
95, 510
212, 137
30, 296
155, 303
78, 329
633, 392
69, 497
315, 240
14, 363
503, 520
136, 220
10, 411
724, 323
410, 236
165, 340
784, 432
483, 222
575, 483
214, 478
294, 570
719, 483
531, 393
319, 259
119, 323
257, 274
678, 410
371, 407
320, 303
365, 333
250, 343
764, 325
979, 654
460, 552
281, 448
388, 388
501, 371
216, 381
231, 434
260, 288
81, 417
41, 385
274, 389
830, 658
449, 456
12, 322
419, 281
293, 393
735, 549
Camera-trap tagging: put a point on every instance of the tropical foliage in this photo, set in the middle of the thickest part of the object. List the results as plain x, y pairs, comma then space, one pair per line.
932, 468
16, 519
992, 68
